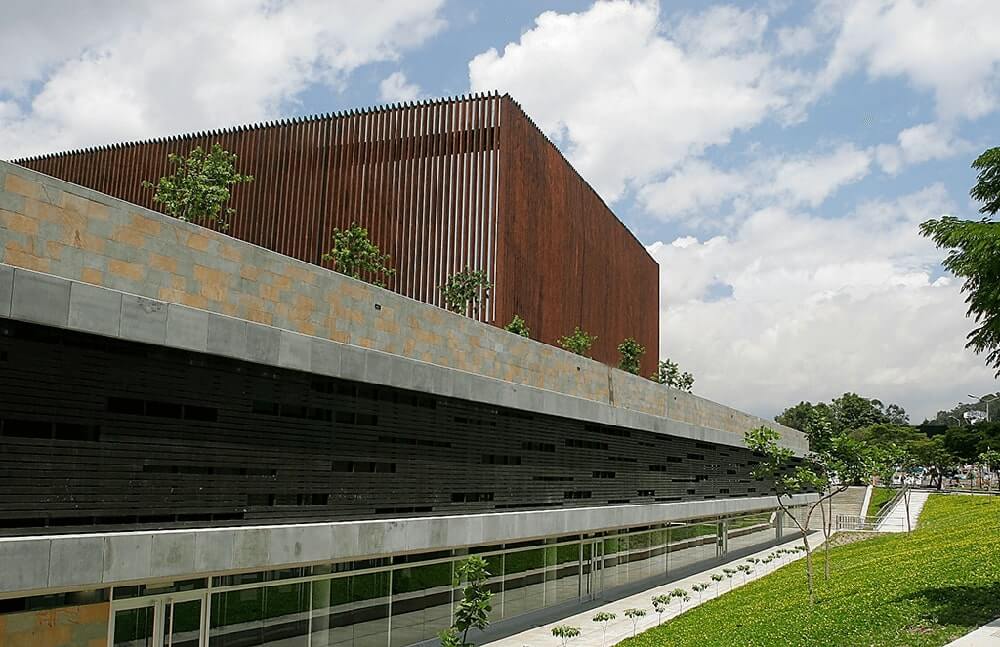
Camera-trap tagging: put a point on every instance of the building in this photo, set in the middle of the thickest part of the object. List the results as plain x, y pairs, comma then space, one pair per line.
441, 186
207, 443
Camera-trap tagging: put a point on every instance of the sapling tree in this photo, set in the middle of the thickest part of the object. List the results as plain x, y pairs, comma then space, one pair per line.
699, 588
355, 255
828, 472
990, 460
635, 615
198, 189
660, 604
473, 612
729, 572
631, 352
716, 577
681, 596
465, 290
745, 569
668, 372
518, 326
579, 342
604, 618
565, 633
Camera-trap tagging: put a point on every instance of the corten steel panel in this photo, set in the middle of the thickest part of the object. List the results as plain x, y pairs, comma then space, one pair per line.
441, 186
102, 433
563, 254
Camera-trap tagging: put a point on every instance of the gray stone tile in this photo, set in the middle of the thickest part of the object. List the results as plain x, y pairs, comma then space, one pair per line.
187, 327
143, 319
401, 371
126, 557
250, 548
378, 367
40, 298
227, 336
263, 343
76, 561
95, 309
352, 362
24, 564
343, 540
325, 357
6, 289
300, 544
213, 550
173, 553
295, 351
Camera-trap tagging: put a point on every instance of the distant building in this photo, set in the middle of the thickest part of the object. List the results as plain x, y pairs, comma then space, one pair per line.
441, 186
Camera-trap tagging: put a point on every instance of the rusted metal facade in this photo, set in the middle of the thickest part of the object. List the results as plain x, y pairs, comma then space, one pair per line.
441, 186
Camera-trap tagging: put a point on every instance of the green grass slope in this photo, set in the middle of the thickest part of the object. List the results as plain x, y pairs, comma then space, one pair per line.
880, 496
924, 589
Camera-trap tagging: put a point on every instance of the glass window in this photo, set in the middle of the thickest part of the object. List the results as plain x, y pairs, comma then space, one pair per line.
421, 602
692, 544
351, 610
270, 615
133, 628
524, 581
751, 531
562, 573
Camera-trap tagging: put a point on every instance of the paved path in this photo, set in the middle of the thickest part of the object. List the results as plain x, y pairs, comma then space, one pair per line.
621, 627
988, 636
895, 521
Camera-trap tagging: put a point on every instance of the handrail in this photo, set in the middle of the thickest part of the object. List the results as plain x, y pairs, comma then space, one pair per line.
889, 505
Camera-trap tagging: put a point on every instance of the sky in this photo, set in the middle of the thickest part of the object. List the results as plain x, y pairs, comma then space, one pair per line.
775, 157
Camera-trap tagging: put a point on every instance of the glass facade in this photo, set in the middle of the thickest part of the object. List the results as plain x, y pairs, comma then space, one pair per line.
403, 600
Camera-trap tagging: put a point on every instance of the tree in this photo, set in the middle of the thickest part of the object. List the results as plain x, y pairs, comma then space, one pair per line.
851, 411
565, 633
699, 588
355, 255
717, 578
681, 596
518, 327
933, 454
668, 372
473, 612
635, 615
974, 255
579, 342
631, 352
660, 604
828, 472
465, 289
990, 460
804, 415
198, 189
604, 618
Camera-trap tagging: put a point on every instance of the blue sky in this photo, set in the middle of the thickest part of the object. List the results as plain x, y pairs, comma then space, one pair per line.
776, 157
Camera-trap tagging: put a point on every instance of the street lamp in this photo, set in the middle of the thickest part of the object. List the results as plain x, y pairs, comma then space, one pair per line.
989, 397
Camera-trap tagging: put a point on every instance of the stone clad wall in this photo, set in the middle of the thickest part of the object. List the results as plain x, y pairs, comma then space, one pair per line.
80, 626
69, 231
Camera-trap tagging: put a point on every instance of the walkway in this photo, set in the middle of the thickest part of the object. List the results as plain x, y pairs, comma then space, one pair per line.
895, 521
591, 633
987, 636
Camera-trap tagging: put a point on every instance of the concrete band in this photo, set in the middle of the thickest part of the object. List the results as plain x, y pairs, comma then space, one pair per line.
54, 301
34, 564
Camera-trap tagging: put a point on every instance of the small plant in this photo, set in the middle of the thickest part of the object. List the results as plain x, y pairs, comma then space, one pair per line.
631, 351
355, 255
635, 615
745, 569
449, 638
565, 633
518, 327
681, 595
604, 618
669, 373
474, 609
729, 576
579, 342
198, 189
660, 604
465, 289
699, 588
716, 578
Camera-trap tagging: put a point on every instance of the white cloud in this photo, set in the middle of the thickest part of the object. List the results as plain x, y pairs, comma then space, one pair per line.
818, 307
396, 87
626, 102
949, 47
920, 143
790, 181
187, 65
721, 28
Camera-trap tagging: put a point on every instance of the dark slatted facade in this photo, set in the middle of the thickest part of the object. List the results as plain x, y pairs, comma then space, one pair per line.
101, 433
441, 186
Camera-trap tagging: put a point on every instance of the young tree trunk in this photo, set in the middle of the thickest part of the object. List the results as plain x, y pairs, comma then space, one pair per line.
827, 528
906, 506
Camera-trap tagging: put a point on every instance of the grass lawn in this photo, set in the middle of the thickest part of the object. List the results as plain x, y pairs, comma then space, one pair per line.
880, 496
924, 589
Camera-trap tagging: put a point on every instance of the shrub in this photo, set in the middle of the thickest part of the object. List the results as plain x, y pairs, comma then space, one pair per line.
518, 327
355, 255
579, 342
464, 289
631, 351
